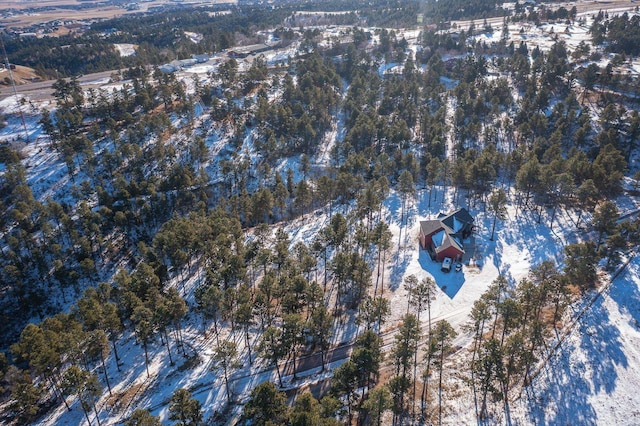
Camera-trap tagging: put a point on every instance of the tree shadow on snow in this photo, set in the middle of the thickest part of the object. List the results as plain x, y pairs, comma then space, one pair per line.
583, 367
400, 262
602, 347
560, 395
534, 241
626, 294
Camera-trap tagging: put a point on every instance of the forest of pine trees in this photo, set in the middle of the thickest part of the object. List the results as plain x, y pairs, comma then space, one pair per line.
151, 207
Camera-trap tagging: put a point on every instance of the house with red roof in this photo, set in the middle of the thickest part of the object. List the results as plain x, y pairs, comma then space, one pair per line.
444, 236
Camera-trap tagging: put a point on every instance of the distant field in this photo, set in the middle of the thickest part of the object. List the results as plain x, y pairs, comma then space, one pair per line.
583, 7
99, 11
25, 4
25, 20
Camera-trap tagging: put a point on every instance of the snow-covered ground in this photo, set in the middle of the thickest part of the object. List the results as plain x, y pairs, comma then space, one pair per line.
590, 379
593, 376
543, 36
126, 49
519, 243
194, 37
281, 56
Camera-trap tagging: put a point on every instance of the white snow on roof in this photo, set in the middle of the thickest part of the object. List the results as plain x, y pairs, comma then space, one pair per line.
457, 225
438, 238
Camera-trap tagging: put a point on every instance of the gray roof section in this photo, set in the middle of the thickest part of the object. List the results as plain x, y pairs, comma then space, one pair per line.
461, 215
430, 226
450, 241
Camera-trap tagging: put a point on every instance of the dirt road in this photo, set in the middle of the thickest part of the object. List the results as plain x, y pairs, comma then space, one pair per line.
42, 91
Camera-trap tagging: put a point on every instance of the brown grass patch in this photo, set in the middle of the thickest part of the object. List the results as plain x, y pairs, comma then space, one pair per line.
123, 399
21, 75
43, 16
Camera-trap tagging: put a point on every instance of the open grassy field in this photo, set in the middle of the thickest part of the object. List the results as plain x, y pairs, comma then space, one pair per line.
25, 16
21, 75
26, 4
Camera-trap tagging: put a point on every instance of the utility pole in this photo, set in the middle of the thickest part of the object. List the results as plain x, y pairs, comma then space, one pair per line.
15, 92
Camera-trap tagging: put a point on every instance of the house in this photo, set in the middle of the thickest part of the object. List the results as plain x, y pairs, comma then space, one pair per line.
444, 236
186, 63
201, 59
244, 51
168, 68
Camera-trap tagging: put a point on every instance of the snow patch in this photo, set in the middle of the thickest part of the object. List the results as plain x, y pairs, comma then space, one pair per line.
125, 49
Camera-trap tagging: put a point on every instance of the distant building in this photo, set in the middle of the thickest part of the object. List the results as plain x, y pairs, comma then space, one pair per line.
444, 236
176, 65
110, 31
200, 58
244, 51
186, 63
167, 68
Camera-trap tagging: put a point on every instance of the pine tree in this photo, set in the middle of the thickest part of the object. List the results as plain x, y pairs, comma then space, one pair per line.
85, 386
209, 300
40, 349
580, 264
272, 348
98, 347
24, 398
141, 417
293, 334
185, 409
266, 406
307, 411
303, 197
498, 206
367, 356
321, 331
605, 220
144, 326
410, 281
587, 194
433, 174
480, 314
244, 315
345, 384
443, 335
373, 312
382, 239
377, 403
406, 187
225, 356
403, 352
421, 294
